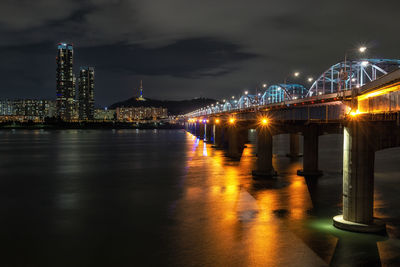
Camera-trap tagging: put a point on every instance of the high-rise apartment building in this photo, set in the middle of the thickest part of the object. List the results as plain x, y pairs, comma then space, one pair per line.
65, 81
86, 93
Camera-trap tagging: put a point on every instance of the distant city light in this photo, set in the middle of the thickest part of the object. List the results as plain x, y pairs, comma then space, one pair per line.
246, 92
310, 79
362, 49
264, 85
296, 74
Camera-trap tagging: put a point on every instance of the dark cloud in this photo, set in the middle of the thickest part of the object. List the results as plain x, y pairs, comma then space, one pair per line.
191, 58
184, 48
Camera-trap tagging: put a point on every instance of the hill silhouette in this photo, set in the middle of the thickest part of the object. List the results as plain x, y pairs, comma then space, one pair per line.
175, 107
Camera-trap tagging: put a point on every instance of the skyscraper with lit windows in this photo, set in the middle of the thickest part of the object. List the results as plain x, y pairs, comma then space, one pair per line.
86, 93
65, 87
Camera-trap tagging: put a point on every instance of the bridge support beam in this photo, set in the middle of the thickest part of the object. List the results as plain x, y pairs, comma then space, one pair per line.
358, 181
294, 146
264, 166
310, 155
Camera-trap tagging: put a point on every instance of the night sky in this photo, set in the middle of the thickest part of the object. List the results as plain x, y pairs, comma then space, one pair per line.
184, 49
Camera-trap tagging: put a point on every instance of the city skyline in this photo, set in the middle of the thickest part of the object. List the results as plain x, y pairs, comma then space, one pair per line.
180, 52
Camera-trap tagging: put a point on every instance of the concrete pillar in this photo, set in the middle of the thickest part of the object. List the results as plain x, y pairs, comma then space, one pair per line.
310, 152
200, 133
218, 134
358, 180
208, 133
234, 142
294, 143
191, 128
264, 166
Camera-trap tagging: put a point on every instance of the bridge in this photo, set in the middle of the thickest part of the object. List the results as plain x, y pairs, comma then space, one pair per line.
359, 99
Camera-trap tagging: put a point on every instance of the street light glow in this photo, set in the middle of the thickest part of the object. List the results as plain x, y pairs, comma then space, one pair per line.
296, 74
310, 79
216, 121
264, 85
246, 92
364, 63
362, 49
264, 121
355, 113
232, 120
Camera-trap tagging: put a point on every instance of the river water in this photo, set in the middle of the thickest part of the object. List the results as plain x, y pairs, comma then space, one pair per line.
164, 198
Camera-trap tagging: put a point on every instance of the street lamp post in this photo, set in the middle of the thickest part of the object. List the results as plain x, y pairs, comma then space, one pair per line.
295, 74
344, 77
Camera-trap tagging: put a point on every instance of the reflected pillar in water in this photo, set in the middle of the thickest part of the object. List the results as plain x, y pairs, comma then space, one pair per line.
294, 146
358, 180
264, 166
310, 149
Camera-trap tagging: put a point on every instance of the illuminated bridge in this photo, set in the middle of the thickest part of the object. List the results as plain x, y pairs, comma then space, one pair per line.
359, 99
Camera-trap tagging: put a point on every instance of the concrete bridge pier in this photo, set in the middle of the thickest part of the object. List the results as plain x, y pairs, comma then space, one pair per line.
358, 180
192, 128
218, 134
196, 129
236, 141
208, 132
200, 132
264, 166
294, 145
310, 152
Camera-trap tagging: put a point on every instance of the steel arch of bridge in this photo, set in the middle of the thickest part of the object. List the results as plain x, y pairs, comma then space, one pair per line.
280, 92
358, 73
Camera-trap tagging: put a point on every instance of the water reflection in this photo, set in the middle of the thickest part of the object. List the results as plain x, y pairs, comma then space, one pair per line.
279, 222
165, 198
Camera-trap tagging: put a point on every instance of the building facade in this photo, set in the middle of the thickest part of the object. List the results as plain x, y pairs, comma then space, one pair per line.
6, 107
104, 114
27, 109
65, 80
140, 113
86, 93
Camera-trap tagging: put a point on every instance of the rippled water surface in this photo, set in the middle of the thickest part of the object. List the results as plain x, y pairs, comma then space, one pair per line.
164, 198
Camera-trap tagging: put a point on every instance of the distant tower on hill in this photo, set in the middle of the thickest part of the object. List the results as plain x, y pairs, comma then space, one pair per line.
141, 98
